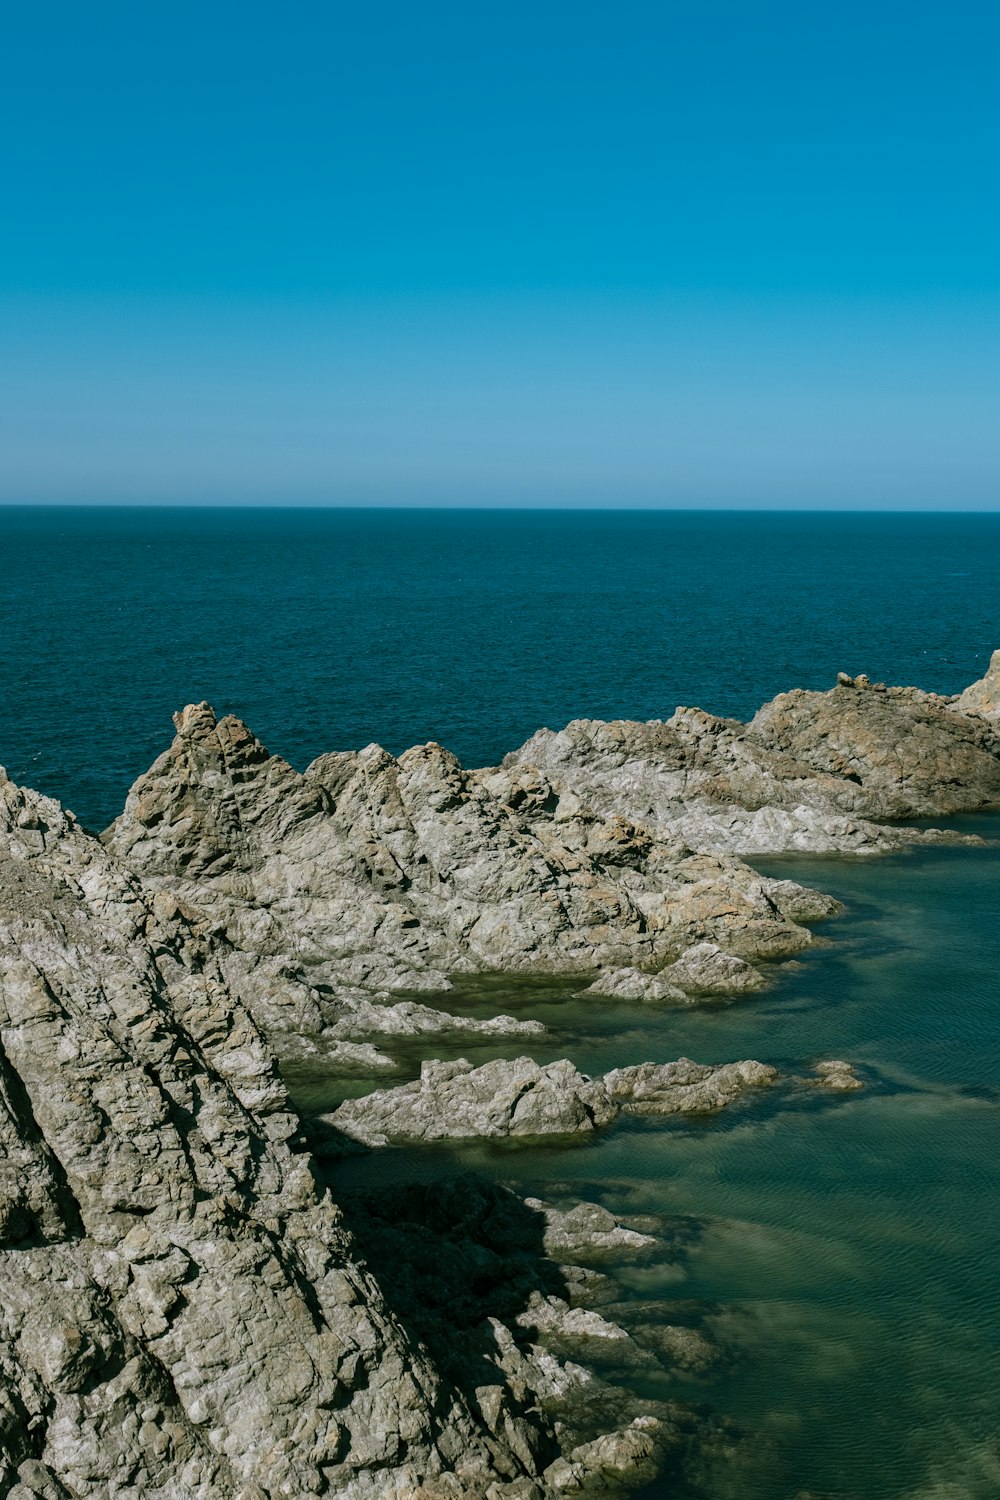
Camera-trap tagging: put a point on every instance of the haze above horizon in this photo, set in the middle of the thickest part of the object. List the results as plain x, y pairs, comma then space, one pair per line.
635, 255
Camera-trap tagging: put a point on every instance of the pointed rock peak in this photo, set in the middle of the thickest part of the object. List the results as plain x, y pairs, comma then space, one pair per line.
374, 756
983, 697
195, 721
236, 735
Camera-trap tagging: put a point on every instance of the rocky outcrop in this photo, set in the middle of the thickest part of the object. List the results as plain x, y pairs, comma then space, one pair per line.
819, 772
685, 1087
452, 1100
184, 1311
704, 969
634, 984
603, 846
837, 1075
456, 1254
373, 873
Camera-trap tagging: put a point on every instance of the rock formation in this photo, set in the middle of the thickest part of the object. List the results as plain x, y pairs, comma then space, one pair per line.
184, 1311
452, 1100
390, 874
609, 847
983, 697
811, 771
186, 1308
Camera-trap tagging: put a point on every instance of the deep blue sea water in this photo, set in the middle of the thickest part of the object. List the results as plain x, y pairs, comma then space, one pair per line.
848, 1249
326, 629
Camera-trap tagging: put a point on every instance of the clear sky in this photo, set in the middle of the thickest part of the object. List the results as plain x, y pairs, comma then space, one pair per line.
701, 253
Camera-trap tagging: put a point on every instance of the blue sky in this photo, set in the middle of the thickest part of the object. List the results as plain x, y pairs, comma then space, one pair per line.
633, 254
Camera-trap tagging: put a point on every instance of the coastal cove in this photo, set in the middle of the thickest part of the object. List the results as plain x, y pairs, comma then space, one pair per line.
839, 1249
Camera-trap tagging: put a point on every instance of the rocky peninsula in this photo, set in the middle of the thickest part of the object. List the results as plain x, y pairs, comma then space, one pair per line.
188, 1305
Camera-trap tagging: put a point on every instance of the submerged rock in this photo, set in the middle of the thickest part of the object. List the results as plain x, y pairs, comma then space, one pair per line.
837, 1075
587, 1230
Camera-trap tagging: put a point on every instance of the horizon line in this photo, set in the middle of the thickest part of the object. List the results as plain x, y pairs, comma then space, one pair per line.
513, 506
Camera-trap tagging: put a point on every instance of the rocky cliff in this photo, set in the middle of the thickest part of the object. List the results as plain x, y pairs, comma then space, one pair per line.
186, 1309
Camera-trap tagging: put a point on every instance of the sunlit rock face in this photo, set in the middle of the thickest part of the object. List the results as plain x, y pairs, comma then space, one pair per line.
185, 1309
983, 697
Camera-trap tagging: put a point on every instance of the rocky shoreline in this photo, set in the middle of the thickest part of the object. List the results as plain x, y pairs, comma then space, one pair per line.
187, 1307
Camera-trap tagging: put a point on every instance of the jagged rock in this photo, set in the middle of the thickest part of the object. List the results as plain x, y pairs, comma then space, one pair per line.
359, 1056
685, 1087
632, 1451
183, 1310
799, 903
390, 873
452, 1100
705, 969
983, 697
819, 772
702, 969
587, 1230
906, 753
634, 984
360, 1014
583, 1334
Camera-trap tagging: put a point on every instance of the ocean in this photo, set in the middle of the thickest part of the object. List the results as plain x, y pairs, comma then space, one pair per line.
326, 629
846, 1248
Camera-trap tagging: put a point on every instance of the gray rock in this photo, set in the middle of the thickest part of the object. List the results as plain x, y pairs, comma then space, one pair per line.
983, 697
704, 969
685, 1087
634, 984
454, 1100
587, 1231
389, 874
451, 1100
837, 1075
818, 772
183, 1310
357, 1014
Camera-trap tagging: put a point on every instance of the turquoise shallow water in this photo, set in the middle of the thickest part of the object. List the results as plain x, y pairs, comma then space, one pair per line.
848, 1247
848, 1244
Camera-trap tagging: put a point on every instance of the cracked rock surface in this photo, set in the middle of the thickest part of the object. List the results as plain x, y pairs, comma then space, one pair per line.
187, 1312
451, 1100
184, 1311
605, 846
